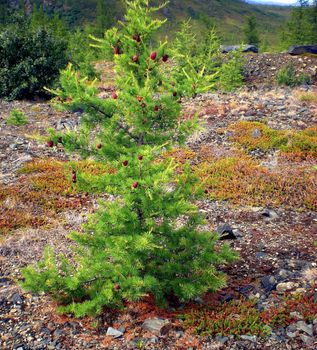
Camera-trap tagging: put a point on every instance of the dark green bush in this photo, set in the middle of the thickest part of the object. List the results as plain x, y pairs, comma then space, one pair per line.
30, 59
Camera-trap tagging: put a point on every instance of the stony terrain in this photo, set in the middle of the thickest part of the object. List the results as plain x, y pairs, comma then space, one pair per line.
278, 258
262, 68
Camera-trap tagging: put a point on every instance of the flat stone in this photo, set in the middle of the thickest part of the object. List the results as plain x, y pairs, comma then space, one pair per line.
243, 48
283, 273
246, 290
153, 340
268, 283
269, 213
291, 334
306, 339
226, 298
115, 333
301, 49
251, 338
222, 340
296, 315
307, 328
156, 326
256, 133
286, 286
261, 255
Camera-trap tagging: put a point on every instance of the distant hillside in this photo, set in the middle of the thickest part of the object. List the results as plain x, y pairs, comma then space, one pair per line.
227, 15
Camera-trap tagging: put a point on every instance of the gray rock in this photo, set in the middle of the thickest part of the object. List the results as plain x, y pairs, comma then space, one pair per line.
291, 334
156, 326
226, 298
307, 328
269, 213
306, 339
256, 133
58, 333
115, 333
283, 273
16, 299
251, 338
179, 334
153, 340
261, 255
301, 49
296, 315
243, 48
268, 283
246, 290
226, 232
222, 340
286, 286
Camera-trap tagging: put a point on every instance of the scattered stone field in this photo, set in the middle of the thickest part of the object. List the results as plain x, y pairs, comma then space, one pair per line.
256, 152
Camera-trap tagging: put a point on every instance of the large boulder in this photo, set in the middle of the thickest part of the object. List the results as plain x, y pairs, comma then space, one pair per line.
243, 48
301, 49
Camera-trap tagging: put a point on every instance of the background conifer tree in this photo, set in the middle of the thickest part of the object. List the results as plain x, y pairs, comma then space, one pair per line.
151, 239
104, 17
250, 31
300, 28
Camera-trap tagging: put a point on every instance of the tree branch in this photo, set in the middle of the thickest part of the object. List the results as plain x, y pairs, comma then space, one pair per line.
120, 125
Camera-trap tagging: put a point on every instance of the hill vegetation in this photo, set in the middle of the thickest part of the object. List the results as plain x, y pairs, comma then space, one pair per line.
228, 16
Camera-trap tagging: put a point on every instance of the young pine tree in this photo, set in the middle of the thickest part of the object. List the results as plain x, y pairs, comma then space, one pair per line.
251, 32
300, 26
104, 17
150, 239
197, 61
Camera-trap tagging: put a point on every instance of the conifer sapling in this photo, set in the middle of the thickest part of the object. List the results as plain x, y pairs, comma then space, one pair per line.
152, 239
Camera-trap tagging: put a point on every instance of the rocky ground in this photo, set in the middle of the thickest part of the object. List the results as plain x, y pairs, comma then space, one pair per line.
278, 258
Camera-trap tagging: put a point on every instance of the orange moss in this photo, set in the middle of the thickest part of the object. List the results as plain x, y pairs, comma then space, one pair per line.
267, 138
180, 155
288, 141
43, 190
242, 181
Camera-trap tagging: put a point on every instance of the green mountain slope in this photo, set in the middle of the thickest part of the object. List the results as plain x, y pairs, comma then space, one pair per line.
227, 15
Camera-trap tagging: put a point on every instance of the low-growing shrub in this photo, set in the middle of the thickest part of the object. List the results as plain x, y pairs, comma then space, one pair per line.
234, 318
289, 77
17, 117
241, 317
